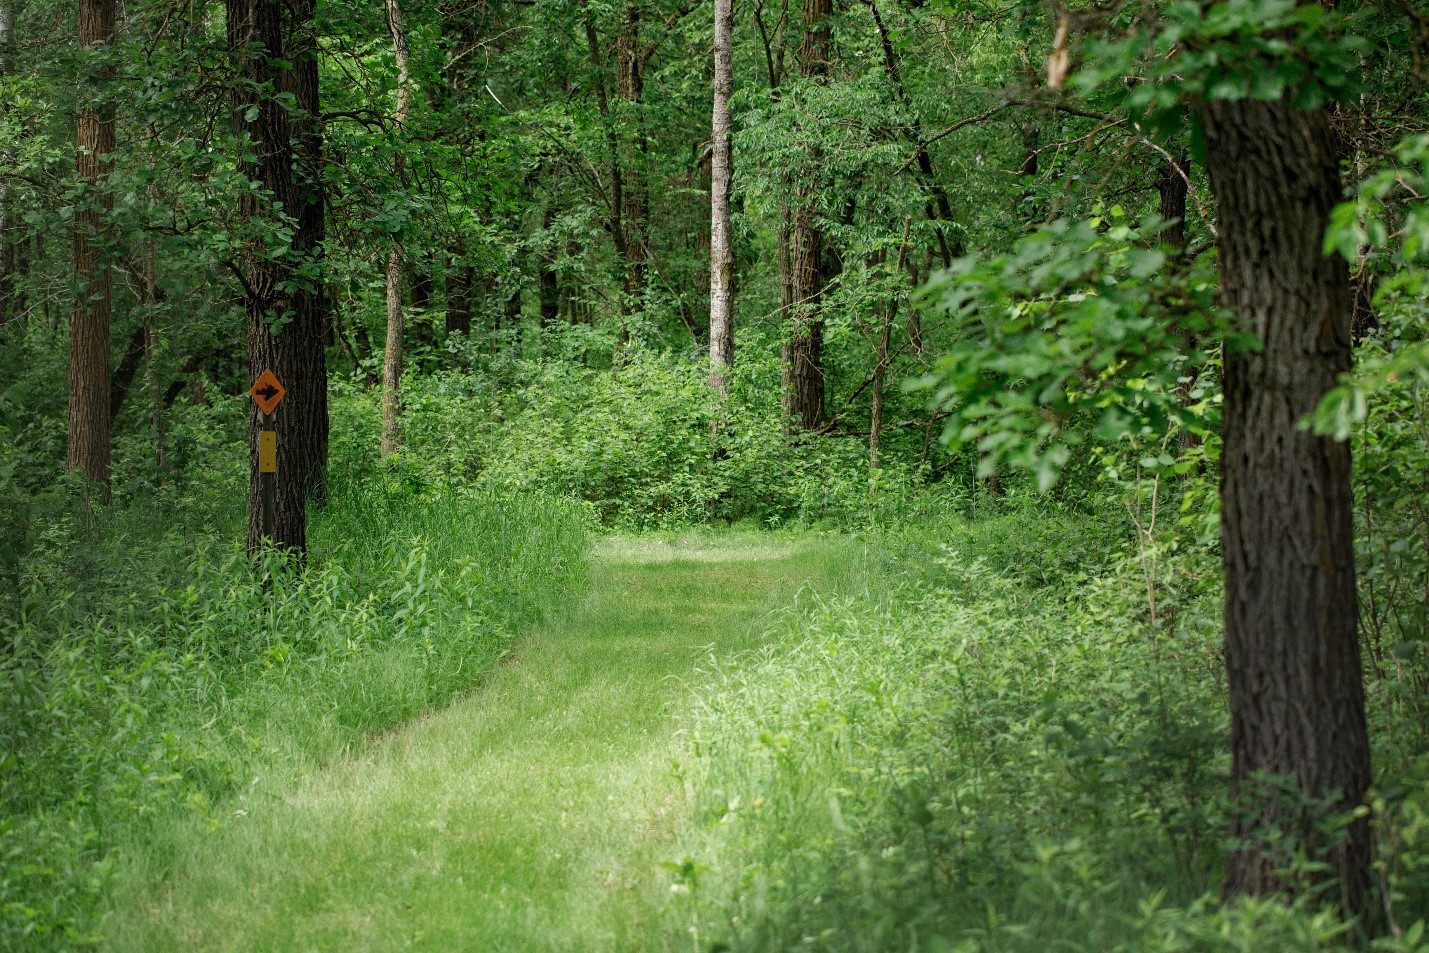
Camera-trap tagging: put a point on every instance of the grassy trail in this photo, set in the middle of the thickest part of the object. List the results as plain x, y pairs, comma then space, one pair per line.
531, 815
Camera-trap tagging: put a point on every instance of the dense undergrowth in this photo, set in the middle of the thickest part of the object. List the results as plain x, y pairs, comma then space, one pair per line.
151, 667
1022, 750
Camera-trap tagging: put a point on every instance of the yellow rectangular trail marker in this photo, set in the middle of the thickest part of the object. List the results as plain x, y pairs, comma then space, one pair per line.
267, 452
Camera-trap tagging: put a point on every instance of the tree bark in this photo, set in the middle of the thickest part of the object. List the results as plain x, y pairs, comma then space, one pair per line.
880, 369
311, 204
1292, 652
88, 444
273, 49
803, 349
1171, 192
721, 177
392, 356
630, 87
9, 296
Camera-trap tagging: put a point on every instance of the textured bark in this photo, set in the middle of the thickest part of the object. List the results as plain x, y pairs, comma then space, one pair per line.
312, 232
10, 305
630, 87
274, 53
88, 445
392, 356
803, 349
1171, 191
721, 176
1292, 652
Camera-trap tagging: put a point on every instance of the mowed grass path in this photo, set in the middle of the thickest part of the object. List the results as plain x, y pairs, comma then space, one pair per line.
531, 815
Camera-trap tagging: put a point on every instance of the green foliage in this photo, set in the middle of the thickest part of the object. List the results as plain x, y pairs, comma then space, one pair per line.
1081, 331
983, 765
1186, 52
635, 443
1388, 221
147, 671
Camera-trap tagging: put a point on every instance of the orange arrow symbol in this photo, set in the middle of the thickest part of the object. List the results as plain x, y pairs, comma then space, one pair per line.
267, 392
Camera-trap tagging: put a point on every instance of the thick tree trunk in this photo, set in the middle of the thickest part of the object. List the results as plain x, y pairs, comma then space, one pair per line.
721, 177
88, 445
273, 50
803, 349
392, 356
1292, 652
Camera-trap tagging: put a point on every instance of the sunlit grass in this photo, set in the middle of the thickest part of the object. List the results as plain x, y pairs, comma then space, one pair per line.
530, 815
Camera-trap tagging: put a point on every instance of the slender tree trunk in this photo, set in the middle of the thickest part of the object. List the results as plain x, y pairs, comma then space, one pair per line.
1292, 652
392, 356
152, 297
721, 177
1171, 191
88, 448
8, 278
803, 349
880, 369
273, 49
122, 380
630, 87
914, 327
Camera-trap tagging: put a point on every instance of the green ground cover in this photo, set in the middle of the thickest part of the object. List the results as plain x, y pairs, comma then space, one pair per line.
531, 814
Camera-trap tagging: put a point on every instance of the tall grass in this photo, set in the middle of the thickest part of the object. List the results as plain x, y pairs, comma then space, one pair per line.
148, 670
1011, 755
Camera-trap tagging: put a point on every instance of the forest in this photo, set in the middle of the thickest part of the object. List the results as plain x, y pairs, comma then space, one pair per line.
638, 475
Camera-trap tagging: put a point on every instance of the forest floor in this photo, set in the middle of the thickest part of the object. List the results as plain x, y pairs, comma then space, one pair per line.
532, 814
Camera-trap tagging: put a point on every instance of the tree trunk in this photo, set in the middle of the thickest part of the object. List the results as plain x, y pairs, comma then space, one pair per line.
1292, 652
122, 380
1171, 190
630, 87
311, 204
880, 369
392, 356
803, 349
721, 176
88, 445
273, 50
9, 303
